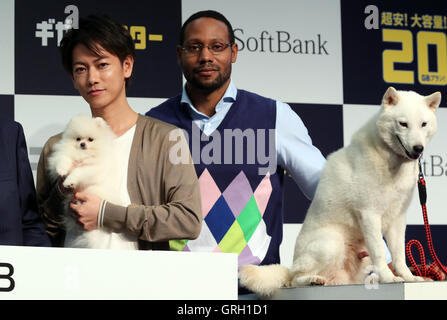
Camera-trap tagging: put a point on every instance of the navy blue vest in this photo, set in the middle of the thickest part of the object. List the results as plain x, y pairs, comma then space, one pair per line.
242, 203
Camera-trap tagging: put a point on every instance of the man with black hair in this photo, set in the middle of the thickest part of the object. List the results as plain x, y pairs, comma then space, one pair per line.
163, 198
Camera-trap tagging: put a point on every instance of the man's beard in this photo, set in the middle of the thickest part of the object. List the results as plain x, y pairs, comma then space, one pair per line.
220, 80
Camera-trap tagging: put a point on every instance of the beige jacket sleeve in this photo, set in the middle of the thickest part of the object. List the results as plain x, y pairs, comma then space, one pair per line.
171, 190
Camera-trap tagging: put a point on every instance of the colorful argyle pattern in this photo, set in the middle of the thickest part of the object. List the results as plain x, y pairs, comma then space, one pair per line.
232, 219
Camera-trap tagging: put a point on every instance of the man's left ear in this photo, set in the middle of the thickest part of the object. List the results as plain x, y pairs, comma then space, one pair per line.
234, 51
128, 66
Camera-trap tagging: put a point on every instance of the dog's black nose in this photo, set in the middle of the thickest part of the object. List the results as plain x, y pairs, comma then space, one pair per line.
418, 149
82, 144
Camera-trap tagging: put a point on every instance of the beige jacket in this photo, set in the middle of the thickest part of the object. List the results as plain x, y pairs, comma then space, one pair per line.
165, 197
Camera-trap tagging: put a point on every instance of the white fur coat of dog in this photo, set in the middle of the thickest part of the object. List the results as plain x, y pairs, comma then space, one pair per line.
364, 192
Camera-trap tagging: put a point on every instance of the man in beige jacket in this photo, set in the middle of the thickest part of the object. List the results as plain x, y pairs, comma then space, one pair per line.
164, 197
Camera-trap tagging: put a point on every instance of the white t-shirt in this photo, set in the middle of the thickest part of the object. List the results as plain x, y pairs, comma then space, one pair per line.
122, 146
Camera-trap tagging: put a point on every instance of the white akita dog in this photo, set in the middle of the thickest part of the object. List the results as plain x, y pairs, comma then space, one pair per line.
363, 194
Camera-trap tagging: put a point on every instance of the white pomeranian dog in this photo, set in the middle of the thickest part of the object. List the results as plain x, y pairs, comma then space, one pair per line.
87, 149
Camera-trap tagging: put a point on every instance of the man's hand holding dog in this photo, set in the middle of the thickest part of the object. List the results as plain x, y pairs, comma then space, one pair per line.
86, 206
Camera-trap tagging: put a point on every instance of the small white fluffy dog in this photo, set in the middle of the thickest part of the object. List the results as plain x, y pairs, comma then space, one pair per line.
364, 192
88, 143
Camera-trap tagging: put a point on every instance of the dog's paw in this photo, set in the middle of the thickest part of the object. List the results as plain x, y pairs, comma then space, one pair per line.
391, 279
313, 280
318, 281
69, 183
419, 279
398, 279
61, 171
387, 276
407, 275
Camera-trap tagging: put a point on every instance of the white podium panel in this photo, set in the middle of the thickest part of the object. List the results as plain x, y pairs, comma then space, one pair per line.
383, 291
65, 273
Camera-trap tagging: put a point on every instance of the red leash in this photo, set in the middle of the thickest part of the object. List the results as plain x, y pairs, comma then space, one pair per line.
422, 271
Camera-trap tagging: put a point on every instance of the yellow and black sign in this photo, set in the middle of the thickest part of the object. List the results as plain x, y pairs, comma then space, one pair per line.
40, 26
402, 43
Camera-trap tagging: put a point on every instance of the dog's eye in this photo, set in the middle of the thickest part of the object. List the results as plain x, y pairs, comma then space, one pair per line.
423, 124
78, 139
403, 124
90, 139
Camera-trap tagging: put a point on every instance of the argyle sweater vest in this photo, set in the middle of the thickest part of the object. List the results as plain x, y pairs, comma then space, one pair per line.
241, 203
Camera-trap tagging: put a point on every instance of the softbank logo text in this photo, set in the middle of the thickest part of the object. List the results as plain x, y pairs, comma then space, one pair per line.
249, 147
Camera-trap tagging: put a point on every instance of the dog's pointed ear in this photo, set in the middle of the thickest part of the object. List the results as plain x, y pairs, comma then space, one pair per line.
390, 98
433, 100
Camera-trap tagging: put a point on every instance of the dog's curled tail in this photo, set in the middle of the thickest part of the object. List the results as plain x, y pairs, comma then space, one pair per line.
264, 280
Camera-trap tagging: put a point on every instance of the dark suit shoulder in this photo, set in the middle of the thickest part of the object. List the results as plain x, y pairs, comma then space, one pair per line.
7, 126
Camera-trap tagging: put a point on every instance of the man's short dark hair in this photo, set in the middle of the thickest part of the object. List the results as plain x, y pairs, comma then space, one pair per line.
207, 14
94, 32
